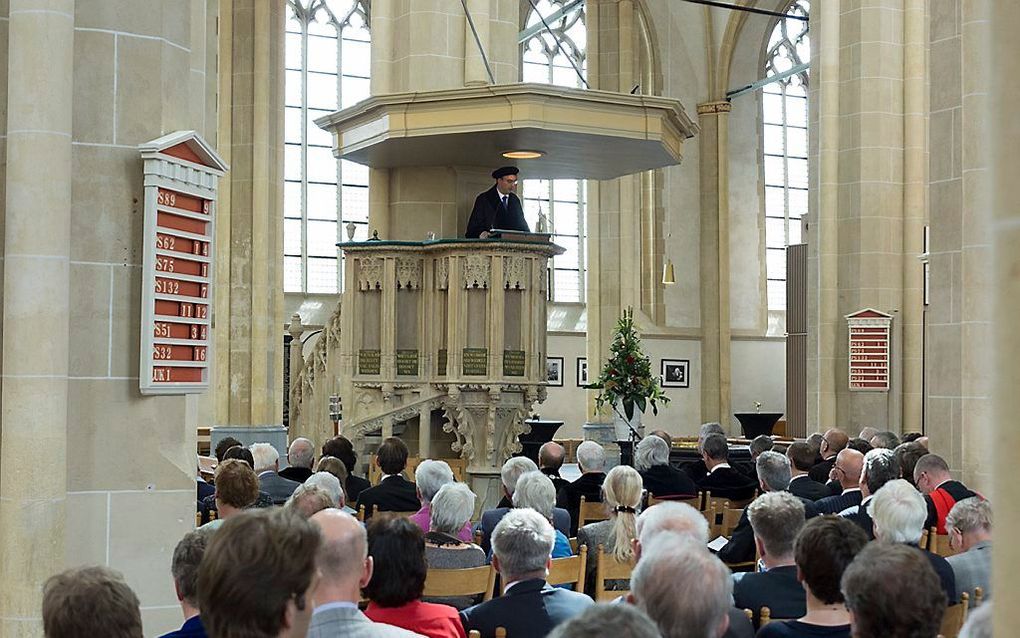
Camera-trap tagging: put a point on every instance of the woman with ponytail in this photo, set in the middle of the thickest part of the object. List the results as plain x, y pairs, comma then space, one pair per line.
621, 494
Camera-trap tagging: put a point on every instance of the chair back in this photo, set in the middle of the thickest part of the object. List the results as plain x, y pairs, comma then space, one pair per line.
764, 616
979, 597
608, 568
955, 616
470, 581
590, 512
500, 632
939, 543
569, 570
459, 467
923, 543
361, 513
395, 513
730, 518
474, 633
573, 544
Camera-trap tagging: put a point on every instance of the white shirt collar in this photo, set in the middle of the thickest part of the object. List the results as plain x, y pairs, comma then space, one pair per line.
720, 466
851, 489
794, 478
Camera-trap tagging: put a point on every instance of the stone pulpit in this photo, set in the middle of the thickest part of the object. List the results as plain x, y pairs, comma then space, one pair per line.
446, 330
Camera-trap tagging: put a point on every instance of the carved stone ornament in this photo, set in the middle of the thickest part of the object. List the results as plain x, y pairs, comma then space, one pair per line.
515, 273
442, 273
370, 273
477, 271
408, 273
543, 279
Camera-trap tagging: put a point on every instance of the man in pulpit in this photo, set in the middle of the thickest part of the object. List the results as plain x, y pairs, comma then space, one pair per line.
498, 207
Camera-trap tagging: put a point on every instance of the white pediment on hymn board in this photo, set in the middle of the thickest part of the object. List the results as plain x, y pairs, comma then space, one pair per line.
187, 146
868, 313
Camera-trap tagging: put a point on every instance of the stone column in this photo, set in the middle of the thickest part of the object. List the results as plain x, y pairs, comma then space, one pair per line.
715, 263
36, 306
249, 306
474, 66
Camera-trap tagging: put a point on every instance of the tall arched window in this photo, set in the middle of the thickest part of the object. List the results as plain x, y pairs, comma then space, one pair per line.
562, 201
327, 67
785, 144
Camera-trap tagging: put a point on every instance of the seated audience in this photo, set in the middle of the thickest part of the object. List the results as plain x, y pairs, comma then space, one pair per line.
887, 440
908, 455
684, 525
662, 434
223, 445
970, 533
335, 467
618, 621
847, 471
697, 470
452, 506
822, 551
522, 545
342, 448
345, 568
912, 436
898, 512
429, 476
241, 454
831, 444
550, 460
760, 443
867, 433
308, 499
237, 488
394, 493
815, 441
802, 458
776, 518
722, 480
203, 487
329, 482
267, 466
891, 591
535, 490
683, 588
591, 460
979, 623
880, 467
941, 492
258, 576
184, 567
662, 480
512, 470
860, 445
90, 602
621, 493
397, 548
300, 459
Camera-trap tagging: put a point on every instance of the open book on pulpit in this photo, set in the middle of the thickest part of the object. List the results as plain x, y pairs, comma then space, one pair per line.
520, 235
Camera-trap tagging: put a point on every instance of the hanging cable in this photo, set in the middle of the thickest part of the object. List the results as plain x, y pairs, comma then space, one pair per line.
737, 7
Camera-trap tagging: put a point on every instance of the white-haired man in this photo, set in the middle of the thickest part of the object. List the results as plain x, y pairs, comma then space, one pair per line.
344, 568
512, 470
591, 460
267, 467
880, 467
301, 459
522, 546
898, 512
651, 460
535, 491
429, 476
970, 533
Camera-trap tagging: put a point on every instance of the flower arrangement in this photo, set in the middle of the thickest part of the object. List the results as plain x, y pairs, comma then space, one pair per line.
626, 380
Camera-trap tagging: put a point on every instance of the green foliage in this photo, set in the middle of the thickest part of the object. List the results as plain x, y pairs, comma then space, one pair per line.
626, 379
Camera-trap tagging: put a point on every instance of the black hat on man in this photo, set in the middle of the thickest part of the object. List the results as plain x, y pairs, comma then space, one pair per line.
504, 171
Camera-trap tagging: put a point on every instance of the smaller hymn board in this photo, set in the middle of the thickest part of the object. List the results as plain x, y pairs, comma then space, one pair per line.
181, 177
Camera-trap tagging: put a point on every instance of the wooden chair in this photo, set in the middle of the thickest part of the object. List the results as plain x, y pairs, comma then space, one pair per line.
361, 513
710, 517
590, 513
471, 581
693, 501
198, 519
955, 616
478, 537
570, 570
608, 568
765, 617
573, 544
749, 614
474, 633
500, 632
923, 543
375, 473
979, 597
459, 467
939, 543
730, 518
376, 510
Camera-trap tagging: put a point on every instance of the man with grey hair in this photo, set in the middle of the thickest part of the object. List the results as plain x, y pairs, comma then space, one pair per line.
267, 467
535, 491
760, 443
301, 457
550, 460
591, 460
344, 568
184, 567
308, 499
618, 621
513, 469
898, 513
886, 439
970, 533
941, 492
868, 433
880, 467
697, 470
522, 544
331, 484
722, 480
776, 518
651, 460
429, 477
683, 588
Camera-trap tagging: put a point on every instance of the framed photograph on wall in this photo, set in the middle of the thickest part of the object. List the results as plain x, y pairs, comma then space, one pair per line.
582, 372
554, 371
676, 373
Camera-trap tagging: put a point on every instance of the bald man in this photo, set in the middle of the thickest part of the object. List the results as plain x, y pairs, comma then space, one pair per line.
550, 460
833, 441
345, 567
847, 470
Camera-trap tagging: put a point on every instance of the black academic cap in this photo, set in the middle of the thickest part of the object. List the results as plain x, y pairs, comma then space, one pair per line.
504, 171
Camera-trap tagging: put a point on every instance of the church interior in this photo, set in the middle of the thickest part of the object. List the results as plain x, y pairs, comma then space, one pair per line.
757, 181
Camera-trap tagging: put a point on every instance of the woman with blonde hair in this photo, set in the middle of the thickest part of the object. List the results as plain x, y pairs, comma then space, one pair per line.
621, 495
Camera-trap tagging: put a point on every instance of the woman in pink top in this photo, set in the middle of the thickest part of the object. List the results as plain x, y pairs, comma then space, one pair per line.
397, 548
429, 476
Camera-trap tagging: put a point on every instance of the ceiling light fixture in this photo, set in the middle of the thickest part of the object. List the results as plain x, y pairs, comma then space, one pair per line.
523, 154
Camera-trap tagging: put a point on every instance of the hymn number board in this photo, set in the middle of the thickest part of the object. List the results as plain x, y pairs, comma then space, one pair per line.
869, 350
180, 193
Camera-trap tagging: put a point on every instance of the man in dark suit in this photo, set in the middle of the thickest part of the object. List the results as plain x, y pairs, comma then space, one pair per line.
941, 492
846, 470
696, 469
267, 466
591, 459
301, 457
184, 568
802, 458
833, 442
550, 460
499, 207
341, 447
512, 470
394, 493
722, 480
651, 459
776, 518
880, 467
522, 553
